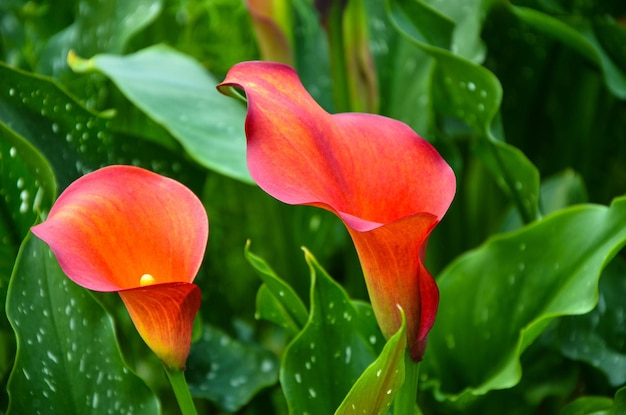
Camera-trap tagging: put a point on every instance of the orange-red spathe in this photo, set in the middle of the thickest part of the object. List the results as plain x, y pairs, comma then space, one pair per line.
388, 185
112, 226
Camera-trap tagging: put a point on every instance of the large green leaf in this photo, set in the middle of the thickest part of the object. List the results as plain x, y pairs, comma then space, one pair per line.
68, 360
228, 372
72, 139
178, 93
337, 344
497, 299
98, 26
598, 337
471, 93
404, 73
579, 33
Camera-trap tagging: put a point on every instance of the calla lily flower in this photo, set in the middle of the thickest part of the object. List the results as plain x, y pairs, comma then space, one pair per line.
389, 186
128, 230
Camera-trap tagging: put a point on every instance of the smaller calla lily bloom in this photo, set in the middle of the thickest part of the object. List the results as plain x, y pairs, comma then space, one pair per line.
132, 231
389, 186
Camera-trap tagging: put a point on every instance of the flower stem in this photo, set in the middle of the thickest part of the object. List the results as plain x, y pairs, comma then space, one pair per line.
181, 390
341, 94
405, 402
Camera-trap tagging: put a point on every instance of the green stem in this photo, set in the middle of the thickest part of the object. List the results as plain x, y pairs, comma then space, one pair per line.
341, 93
181, 390
405, 402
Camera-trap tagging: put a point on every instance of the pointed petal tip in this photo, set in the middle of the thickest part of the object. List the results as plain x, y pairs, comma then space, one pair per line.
163, 315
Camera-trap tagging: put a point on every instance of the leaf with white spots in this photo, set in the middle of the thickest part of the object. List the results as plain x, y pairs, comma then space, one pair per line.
228, 372
68, 360
598, 337
469, 92
27, 189
374, 391
322, 363
178, 93
497, 299
276, 300
72, 139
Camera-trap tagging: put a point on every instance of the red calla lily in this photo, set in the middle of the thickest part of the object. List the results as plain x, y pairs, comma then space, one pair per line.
388, 185
126, 229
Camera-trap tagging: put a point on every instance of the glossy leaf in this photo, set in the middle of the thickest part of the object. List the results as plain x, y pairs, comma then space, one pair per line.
374, 391
471, 93
97, 27
276, 300
595, 405
72, 139
521, 281
67, 360
316, 374
177, 92
227, 371
579, 34
598, 337
27, 188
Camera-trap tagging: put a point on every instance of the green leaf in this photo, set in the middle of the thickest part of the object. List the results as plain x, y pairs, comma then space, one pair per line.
578, 33
73, 140
588, 405
228, 372
177, 92
471, 93
598, 337
595, 405
276, 300
27, 188
559, 191
496, 300
68, 360
98, 27
376, 388
322, 363
404, 73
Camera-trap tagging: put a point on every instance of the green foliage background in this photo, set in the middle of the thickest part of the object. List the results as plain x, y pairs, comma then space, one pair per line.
525, 99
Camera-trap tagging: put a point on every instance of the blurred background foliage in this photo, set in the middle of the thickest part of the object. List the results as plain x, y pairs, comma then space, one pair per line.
539, 84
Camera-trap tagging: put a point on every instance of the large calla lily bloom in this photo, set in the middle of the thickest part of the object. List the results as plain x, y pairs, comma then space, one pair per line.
389, 186
126, 229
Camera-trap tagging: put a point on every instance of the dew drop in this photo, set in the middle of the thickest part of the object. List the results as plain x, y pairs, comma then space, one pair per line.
52, 357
